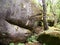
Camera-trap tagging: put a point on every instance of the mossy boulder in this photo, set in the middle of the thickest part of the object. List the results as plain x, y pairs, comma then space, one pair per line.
50, 37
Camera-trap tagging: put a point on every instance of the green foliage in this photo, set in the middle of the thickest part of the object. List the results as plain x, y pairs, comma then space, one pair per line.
20, 43
44, 43
32, 38
53, 7
11, 44
17, 44
58, 25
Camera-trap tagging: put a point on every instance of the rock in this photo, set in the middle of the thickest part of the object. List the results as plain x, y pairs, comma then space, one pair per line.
33, 43
17, 12
50, 37
38, 29
12, 32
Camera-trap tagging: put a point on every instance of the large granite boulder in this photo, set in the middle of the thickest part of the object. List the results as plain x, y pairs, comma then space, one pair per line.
12, 33
17, 12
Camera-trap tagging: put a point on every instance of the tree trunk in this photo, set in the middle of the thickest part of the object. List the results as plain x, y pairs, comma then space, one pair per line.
44, 15
55, 17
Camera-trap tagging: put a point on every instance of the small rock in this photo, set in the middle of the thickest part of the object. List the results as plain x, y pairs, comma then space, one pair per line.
33, 43
38, 29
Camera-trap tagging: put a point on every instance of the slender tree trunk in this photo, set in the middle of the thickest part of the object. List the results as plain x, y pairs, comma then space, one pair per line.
44, 15
55, 17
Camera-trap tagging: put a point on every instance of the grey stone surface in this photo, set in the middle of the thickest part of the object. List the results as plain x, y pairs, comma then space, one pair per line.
13, 32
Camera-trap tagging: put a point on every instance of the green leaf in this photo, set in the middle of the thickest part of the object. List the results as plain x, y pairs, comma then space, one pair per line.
11, 44
20, 43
